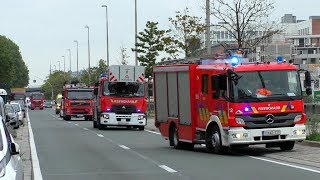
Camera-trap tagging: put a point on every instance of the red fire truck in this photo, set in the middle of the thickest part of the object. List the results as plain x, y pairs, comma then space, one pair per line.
225, 103
36, 100
77, 101
121, 98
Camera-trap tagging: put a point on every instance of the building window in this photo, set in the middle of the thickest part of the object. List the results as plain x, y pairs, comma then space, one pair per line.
313, 60
226, 35
304, 61
230, 35
222, 34
218, 35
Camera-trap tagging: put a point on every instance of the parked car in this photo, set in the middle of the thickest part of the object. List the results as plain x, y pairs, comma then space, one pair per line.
10, 161
18, 108
12, 115
22, 105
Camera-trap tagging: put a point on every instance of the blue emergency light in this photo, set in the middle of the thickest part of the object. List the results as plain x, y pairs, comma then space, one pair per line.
279, 59
235, 61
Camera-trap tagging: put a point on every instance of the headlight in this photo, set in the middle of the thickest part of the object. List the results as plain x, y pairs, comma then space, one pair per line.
3, 167
240, 121
140, 117
297, 118
105, 116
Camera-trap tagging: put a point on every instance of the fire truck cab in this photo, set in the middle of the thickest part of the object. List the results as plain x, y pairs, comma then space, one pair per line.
77, 101
224, 103
121, 98
36, 100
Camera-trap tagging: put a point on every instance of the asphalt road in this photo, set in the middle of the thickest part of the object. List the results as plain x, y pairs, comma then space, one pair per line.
74, 150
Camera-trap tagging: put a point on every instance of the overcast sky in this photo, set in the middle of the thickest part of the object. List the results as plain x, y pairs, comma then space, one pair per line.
45, 29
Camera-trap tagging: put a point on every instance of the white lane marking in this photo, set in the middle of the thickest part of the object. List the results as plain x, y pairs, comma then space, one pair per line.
34, 156
285, 164
123, 146
69, 122
170, 170
153, 132
86, 129
76, 124
100, 135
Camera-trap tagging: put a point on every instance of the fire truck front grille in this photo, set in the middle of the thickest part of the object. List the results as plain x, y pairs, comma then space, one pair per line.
263, 121
123, 109
79, 104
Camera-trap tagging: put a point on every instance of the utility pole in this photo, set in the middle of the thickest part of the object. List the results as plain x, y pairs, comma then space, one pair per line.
77, 58
88, 53
70, 58
107, 32
208, 43
136, 30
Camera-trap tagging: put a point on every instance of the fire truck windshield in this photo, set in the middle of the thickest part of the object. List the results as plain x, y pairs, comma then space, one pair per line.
80, 94
131, 89
266, 86
37, 96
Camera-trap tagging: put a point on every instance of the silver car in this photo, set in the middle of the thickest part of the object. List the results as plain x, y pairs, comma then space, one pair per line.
10, 162
18, 108
12, 115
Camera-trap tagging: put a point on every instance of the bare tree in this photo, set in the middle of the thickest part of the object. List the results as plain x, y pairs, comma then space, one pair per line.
245, 20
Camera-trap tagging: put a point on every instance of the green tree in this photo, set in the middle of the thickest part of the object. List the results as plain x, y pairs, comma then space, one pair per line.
95, 73
13, 69
244, 18
150, 43
57, 79
186, 33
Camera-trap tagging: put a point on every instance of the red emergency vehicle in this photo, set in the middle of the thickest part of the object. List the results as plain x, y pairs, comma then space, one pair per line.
225, 103
77, 101
36, 100
121, 98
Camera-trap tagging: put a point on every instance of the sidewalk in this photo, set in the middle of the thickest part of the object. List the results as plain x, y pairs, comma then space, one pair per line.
22, 138
150, 124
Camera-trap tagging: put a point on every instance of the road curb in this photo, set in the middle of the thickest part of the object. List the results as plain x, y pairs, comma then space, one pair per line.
36, 171
310, 143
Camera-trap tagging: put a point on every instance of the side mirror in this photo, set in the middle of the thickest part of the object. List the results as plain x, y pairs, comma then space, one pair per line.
8, 118
308, 91
95, 91
15, 149
307, 82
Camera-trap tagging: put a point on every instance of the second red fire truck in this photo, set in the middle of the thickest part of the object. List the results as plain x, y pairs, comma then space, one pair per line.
77, 101
225, 103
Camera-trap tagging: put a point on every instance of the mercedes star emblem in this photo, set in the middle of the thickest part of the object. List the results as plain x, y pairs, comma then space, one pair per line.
269, 118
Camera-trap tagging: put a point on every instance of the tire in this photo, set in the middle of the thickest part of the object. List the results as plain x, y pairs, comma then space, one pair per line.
174, 138
57, 112
287, 146
95, 124
41, 108
213, 141
99, 126
141, 128
86, 118
68, 118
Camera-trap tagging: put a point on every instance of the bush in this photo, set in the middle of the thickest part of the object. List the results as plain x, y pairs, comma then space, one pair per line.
313, 127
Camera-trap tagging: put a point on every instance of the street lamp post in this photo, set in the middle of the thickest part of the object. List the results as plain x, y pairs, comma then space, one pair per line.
77, 58
88, 52
64, 63
107, 31
136, 30
59, 65
69, 58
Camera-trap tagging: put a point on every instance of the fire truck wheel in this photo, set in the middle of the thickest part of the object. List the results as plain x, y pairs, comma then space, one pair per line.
287, 146
174, 137
141, 128
213, 140
95, 124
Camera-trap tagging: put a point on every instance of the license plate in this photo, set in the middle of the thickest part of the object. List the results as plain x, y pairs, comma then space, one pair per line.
271, 133
122, 123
